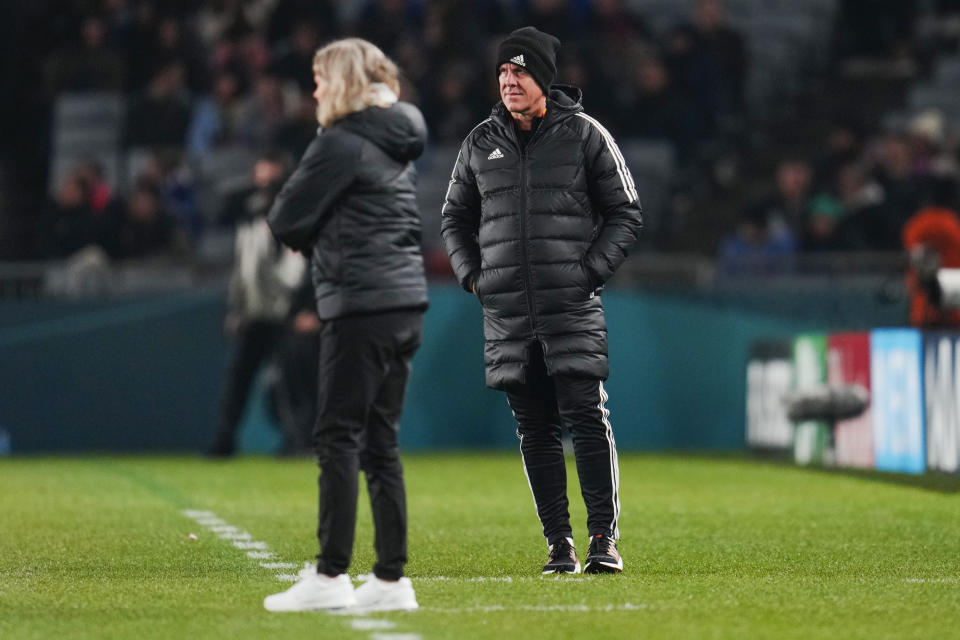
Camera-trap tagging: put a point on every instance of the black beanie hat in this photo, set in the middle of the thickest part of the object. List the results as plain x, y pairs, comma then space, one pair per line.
534, 50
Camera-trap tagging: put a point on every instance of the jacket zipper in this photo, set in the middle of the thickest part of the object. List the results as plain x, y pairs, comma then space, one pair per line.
527, 283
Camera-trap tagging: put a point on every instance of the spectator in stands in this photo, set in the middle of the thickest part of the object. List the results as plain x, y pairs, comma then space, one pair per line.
386, 22
843, 146
932, 237
448, 108
926, 135
705, 57
695, 75
159, 117
215, 119
264, 280
759, 246
243, 53
143, 228
448, 30
69, 223
292, 56
789, 206
717, 41
135, 32
416, 85
91, 174
876, 29
287, 15
454, 26
863, 227
172, 42
600, 98
653, 110
902, 191
80, 214
91, 66
119, 18
150, 40
224, 20
171, 177
553, 16
297, 131
820, 230
610, 21
261, 114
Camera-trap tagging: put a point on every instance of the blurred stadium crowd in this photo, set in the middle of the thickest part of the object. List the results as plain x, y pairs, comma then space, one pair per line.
757, 130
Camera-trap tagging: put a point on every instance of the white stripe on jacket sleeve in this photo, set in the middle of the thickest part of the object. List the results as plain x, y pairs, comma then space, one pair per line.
622, 170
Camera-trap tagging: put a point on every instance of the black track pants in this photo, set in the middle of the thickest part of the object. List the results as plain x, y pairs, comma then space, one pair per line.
364, 367
541, 407
256, 341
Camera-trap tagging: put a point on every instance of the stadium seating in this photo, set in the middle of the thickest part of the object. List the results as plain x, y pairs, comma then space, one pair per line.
86, 125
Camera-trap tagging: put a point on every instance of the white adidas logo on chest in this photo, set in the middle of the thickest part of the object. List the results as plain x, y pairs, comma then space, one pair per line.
496, 154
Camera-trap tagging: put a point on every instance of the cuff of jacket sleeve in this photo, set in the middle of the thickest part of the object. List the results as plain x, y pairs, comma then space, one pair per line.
470, 282
595, 280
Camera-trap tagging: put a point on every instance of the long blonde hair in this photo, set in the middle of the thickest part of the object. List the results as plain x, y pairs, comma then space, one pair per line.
358, 75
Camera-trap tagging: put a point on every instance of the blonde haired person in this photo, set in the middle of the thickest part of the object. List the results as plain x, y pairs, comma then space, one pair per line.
351, 206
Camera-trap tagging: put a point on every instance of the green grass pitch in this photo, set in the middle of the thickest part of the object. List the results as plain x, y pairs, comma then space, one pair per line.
714, 547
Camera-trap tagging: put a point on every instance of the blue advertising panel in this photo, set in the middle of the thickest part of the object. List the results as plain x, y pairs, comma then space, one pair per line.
896, 381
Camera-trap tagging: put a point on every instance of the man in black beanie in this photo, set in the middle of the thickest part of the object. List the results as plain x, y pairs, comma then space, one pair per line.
540, 212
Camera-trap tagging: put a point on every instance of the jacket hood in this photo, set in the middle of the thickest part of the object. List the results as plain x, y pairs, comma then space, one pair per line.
566, 98
399, 129
563, 100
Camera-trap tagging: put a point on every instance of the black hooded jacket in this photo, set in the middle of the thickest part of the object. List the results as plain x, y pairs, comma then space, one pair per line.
352, 202
537, 230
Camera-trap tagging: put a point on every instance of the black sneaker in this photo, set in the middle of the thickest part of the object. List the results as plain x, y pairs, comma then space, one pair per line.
602, 556
563, 558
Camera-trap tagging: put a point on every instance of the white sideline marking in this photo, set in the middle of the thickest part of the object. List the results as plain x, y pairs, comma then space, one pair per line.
194, 513
223, 528
255, 549
474, 579
557, 576
255, 544
370, 624
932, 580
234, 535
396, 636
578, 608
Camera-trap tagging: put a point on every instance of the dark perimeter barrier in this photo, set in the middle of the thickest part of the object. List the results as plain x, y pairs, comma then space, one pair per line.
143, 374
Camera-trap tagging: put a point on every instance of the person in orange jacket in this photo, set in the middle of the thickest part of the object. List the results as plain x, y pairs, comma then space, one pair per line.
932, 236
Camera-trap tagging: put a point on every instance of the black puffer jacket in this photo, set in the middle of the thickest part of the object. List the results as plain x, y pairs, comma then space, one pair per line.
537, 231
352, 200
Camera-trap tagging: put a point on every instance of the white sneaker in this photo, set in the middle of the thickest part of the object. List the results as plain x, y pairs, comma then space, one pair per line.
379, 595
313, 591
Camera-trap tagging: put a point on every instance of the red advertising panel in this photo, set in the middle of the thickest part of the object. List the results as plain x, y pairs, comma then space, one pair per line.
848, 362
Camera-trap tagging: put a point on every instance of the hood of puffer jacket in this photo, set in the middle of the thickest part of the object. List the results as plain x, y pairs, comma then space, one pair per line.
399, 129
563, 100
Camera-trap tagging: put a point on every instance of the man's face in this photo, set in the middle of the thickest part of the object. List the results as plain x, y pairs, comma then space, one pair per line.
518, 90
